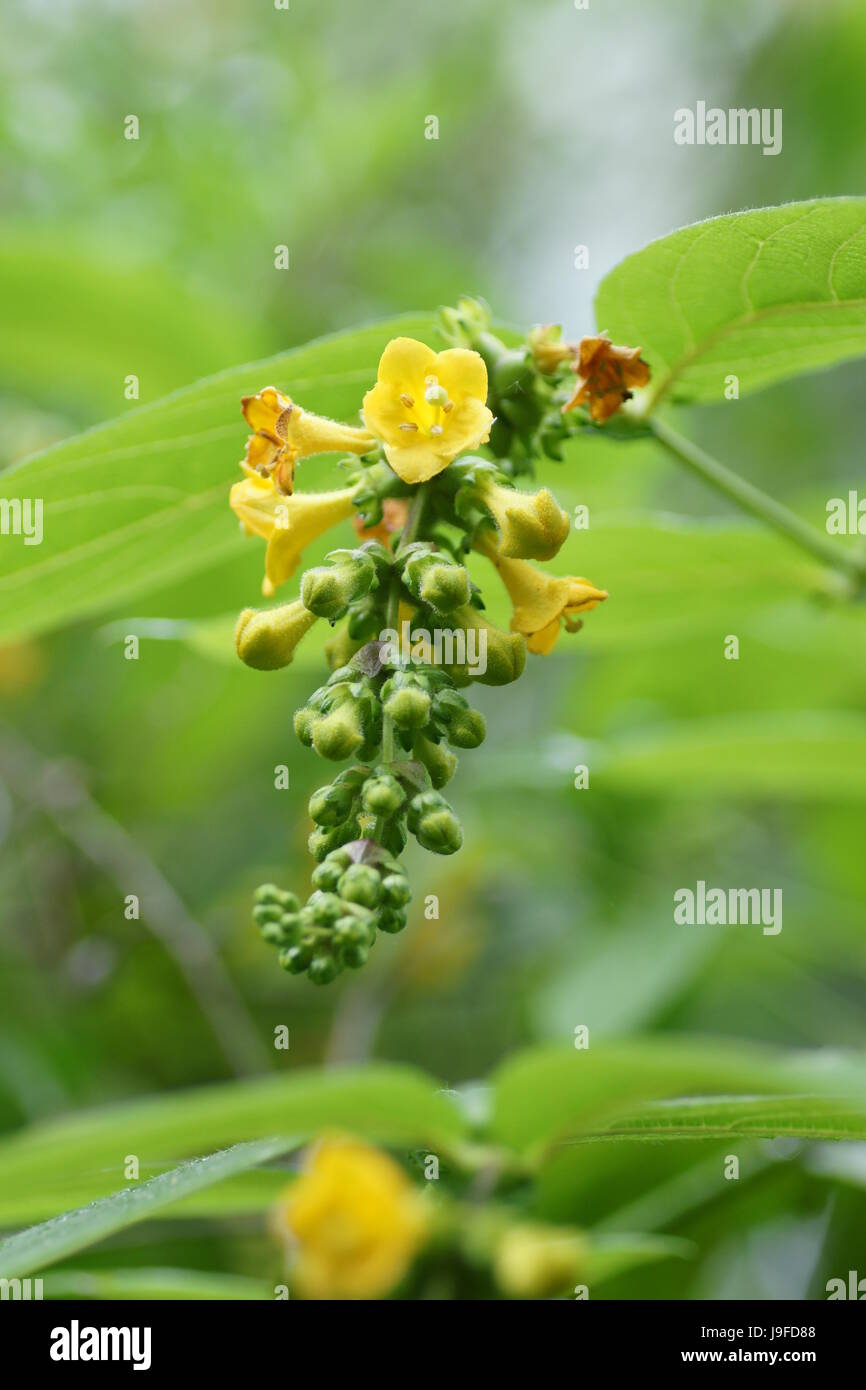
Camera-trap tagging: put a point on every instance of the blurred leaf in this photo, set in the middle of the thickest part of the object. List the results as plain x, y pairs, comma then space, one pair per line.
759, 1117
153, 1284
143, 500
86, 1152
614, 1254
76, 1230
551, 1094
764, 295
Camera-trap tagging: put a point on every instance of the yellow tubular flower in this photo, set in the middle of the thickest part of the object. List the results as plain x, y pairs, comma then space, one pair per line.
535, 1261
354, 1220
531, 525
427, 407
504, 653
288, 524
285, 433
266, 639
543, 602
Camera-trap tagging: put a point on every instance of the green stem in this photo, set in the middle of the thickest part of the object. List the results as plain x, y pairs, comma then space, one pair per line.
758, 503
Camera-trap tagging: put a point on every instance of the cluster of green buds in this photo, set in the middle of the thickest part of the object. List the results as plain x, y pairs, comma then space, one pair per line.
411, 631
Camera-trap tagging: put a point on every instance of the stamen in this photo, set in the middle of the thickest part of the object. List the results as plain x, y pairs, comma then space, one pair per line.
408, 425
407, 400
435, 429
449, 405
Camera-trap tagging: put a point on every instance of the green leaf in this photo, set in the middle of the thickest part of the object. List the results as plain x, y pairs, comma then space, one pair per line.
143, 500
758, 1117
552, 1094
76, 1230
154, 1284
764, 295
81, 1157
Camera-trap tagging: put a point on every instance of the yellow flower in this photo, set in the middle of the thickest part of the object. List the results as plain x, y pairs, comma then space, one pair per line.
288, 524
535, 1261
531, 525
605, 375
285, 433
427, 407
355, 1222
548, 350
543, 602
266, 639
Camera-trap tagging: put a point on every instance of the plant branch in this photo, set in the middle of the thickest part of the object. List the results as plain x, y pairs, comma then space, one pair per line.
759, 504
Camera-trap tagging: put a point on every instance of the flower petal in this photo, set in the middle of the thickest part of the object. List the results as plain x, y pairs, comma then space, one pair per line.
405, 363
462, 372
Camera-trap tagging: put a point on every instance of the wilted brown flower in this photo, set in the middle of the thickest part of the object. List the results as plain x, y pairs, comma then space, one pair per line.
605, 375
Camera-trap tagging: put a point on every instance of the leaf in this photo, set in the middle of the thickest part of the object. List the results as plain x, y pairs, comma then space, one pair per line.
84, 1153
552, 1094
153, 1284
143, 500
758, 1117
611, 1255
76, 1230
765, 295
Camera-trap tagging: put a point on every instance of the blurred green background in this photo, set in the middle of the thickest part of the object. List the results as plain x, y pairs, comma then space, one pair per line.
155, 257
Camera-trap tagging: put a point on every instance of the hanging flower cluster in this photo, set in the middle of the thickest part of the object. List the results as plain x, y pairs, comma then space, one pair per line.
413, 633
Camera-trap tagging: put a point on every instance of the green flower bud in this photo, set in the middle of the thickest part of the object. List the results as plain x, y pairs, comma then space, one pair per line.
505, 651
328, 589
326, 838
323, 969
267, 912
440, 832
438, 760
327, 875
392, 920
351, 931
285, 932
331, 805
408, 707
395, 890
341, 857
325, 908
512, 371
382, 795
295, 959
355, 956
468, 730
339, 734
437, 581
365, 619
303, 723
421, 805
267, 893
360, 884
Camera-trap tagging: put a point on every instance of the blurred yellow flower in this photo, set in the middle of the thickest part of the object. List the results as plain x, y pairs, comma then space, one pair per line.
531, 525
288, 524
535, 1261
285, 433
544, 602
355, 1222
427, 407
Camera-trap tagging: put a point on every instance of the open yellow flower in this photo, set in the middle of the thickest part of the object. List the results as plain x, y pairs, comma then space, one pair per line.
531, 525
288, 524
427, 407
355, 1222
285, 433
543, 603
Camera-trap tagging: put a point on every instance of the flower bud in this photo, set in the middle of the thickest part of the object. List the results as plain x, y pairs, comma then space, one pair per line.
296, 959
437, 581
266, 639
324, 839
328, 589
323, 969
392, 920
360, 884
408, 707
340, 733
382, 795
439, 761
327, 875
325, 908
440, 832
505, 651
467, 730
355, 956
395, 890
331, 805
535, 1261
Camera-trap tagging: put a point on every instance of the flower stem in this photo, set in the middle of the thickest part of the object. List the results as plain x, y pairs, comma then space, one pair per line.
759, 504
392, 611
